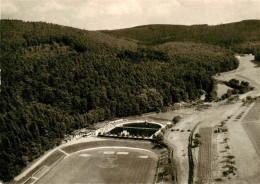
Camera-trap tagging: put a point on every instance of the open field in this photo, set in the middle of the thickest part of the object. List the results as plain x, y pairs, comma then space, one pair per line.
254, 113
104, 165
253, 131
204, 164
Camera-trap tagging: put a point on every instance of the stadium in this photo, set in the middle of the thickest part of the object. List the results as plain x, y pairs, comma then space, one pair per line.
101, 159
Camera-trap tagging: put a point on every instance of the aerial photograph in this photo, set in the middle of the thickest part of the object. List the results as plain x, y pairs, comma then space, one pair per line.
129, 91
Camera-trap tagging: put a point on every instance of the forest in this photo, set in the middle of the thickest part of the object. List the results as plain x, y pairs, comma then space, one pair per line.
257, 54
241, 37
56, 79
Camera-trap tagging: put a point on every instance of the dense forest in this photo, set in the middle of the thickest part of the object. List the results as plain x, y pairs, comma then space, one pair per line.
241, 37
56, 79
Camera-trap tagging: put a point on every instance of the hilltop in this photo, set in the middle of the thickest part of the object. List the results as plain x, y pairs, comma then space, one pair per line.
241, 36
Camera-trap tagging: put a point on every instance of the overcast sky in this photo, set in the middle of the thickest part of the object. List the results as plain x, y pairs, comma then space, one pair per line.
114, 14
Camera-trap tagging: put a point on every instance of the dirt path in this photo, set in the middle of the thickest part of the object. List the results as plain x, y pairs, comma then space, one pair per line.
178, 140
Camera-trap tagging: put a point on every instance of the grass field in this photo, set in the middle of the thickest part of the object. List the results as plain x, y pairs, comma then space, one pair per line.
102, 161
253, 131
204, 165
104, 165
252, 126
254, 113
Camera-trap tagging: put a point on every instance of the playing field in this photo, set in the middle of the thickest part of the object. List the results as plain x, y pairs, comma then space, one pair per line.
104, 165
251, 124
254, 113
253, 131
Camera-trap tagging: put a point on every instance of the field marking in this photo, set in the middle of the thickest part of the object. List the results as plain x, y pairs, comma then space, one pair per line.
43, 170
63, 152
108, 152
39, 170
143, 156
33, 178
102, 147
36, 178
85, 155
122, 153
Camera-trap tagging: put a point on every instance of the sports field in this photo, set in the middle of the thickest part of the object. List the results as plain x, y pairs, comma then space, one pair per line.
254, 113
251, 124
104, 165
253, 131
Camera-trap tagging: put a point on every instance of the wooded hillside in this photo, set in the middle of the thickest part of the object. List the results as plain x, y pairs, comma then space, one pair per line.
242, 37
56, 79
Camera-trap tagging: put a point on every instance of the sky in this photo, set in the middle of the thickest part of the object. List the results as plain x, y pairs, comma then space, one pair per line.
116, 14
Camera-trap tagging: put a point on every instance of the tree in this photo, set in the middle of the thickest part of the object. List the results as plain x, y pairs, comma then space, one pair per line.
257, 54
159, 137
176, 119
196, 142
197, 135
163, 130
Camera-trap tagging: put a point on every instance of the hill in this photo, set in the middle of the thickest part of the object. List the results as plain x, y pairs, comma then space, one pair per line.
241, 36
56, 79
